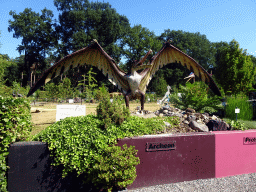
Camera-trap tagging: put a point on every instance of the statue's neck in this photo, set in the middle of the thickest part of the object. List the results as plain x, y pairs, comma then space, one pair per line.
133, 71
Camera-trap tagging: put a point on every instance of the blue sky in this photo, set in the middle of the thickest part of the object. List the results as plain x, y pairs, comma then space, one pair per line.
218, 20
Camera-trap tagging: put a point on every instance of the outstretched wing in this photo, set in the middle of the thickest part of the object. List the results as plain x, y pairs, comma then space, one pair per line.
92, 55
170, 54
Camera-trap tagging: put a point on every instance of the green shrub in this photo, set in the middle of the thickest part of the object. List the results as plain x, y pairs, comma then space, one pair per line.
240, 101
152, 97
115, 167
196, 96
135, 126
237, 125
16, 88
115, 112
5, 91
15, 125
79, 143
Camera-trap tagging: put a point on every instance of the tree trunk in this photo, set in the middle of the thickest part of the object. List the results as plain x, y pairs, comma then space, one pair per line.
31, 78
21, 79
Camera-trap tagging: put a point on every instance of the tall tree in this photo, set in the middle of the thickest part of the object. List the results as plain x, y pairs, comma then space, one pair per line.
253, 58
81, 21
137, 42
37, 33
235, 70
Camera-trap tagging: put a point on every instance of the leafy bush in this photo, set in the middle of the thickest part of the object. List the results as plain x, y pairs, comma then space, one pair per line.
114, 112
135, 126
4, 90
17, 89
116, 167
15, 125
79, 143
237, 125
160, 85
152, 97
240, 101
196, 96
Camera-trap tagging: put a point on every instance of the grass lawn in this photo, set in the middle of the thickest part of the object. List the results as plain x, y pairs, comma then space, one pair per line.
47, 115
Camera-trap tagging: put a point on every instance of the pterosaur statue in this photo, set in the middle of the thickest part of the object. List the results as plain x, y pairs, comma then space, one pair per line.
133, 84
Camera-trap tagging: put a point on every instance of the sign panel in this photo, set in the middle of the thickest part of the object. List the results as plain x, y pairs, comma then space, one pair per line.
64, 111
249, 140
237, 110
161, 146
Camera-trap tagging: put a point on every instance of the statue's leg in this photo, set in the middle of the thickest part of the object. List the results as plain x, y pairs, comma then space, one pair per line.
126, 97
142, 100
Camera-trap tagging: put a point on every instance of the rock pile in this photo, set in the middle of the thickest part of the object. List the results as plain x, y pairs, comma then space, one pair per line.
190, 120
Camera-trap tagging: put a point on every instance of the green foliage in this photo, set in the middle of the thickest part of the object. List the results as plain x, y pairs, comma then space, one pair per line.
135, 126
196, 96
160, 86
152, 97
115, 167
139, 40
90, 85
17, 89
173, 120
9, 70
64, 89
237, 125
235, 70
79, 143
110, 113
240, 101
82, 21
51, 90
15, 125
4, 63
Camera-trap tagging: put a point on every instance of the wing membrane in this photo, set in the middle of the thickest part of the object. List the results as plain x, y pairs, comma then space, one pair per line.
92, 55
170, 54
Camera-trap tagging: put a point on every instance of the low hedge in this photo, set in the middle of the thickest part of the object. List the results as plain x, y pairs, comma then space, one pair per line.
83, 144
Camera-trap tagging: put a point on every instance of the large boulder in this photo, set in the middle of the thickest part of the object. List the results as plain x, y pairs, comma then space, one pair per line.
214, 125
200, 127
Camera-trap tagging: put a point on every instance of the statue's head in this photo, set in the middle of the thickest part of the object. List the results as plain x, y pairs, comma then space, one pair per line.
137, 65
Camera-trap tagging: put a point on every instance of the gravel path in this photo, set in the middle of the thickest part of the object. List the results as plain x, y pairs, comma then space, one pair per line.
246, 182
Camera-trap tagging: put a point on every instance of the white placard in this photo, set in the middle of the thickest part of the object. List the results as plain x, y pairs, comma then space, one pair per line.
71, 100
237, 110
64, 111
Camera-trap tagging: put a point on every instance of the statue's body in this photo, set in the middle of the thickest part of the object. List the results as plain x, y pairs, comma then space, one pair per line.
132, 84
134, 80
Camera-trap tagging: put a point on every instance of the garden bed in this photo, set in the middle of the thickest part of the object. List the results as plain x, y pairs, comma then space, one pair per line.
164, 159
